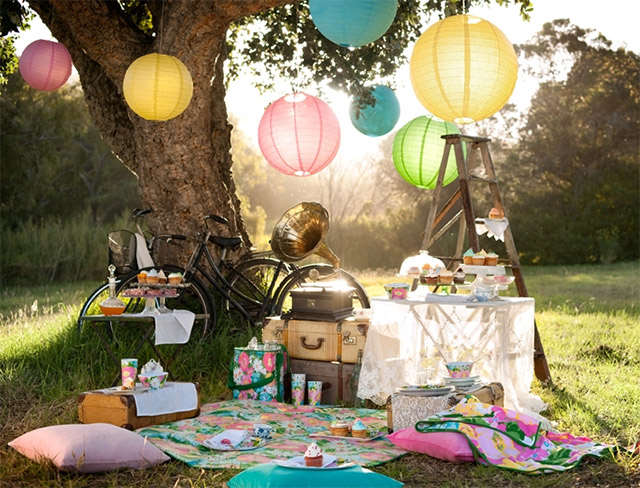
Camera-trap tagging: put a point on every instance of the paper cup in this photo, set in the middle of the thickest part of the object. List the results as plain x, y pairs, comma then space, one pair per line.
314, 392
298, 378
128, 370
262, 431
297, 392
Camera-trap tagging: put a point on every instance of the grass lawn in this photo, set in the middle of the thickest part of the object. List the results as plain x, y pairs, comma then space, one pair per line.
588, 318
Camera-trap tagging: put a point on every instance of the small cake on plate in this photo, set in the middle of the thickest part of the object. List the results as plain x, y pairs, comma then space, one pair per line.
468, 256
142, 277
313, 456
478, 259
358, 429
459, 276
491, 259
339, 427
175, 278
445, 277
162, 278
496, 213
152, 277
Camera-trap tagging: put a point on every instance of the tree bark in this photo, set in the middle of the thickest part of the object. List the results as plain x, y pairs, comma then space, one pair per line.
183, 165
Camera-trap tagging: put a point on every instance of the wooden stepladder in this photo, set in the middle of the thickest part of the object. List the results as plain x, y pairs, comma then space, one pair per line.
483, 173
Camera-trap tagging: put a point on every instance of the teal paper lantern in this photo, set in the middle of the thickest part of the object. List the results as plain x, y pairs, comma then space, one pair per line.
353, 23
418, 148
376, 120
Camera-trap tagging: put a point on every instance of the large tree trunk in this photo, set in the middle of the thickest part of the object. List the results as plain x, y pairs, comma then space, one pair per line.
183, 165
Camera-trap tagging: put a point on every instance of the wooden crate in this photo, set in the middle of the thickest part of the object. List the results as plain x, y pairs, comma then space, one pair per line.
404, 410
120, 410
334, 376
318, 341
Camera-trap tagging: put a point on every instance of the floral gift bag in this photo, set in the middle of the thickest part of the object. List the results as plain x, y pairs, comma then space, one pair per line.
257, 374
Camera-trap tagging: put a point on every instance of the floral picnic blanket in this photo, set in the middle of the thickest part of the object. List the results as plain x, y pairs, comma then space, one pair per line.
512, 440
291, 426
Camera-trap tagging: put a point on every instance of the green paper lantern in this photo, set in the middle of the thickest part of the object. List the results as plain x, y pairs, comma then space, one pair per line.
418, 148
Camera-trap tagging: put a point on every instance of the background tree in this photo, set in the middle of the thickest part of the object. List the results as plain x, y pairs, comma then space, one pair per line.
572, 177
183, 165
52, 160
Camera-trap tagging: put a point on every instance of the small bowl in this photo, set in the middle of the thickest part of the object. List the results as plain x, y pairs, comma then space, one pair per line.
459, 369
153, 381
397, 291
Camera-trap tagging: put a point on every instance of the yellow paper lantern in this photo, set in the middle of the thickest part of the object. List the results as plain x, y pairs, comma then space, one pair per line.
157, 87
463, 69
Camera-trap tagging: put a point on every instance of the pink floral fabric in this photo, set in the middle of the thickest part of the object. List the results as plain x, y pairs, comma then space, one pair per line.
512, 440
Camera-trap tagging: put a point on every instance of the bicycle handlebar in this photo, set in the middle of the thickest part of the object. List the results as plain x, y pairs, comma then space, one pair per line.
217, 218
138, 212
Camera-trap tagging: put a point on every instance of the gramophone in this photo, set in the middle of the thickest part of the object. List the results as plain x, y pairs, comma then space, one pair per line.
299, 233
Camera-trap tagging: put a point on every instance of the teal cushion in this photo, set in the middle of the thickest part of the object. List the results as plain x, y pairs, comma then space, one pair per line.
273, 476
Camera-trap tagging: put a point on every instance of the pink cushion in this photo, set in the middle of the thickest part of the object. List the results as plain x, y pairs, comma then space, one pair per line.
449, 446
89, 448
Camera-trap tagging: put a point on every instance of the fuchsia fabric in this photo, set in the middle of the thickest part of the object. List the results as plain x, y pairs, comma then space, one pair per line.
448, 446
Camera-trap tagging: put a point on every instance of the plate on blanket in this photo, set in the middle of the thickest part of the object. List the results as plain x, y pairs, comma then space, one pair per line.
329, 435
298, 463
246, 445
425, 390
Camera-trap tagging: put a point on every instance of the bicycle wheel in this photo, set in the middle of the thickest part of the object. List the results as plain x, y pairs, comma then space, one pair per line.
195, 298
253, 285
325, 272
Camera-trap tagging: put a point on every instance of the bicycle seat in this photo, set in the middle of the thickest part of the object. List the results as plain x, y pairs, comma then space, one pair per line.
226, 242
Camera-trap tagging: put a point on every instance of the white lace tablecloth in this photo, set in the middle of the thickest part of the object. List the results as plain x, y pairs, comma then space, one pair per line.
409, 341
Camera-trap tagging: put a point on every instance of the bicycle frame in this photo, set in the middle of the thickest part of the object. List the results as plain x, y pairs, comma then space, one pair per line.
220, 283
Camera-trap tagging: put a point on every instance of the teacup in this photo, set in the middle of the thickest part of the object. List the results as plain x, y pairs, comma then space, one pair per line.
459, 369
262, 431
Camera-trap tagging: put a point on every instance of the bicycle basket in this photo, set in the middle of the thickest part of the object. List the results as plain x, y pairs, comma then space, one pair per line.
122, 251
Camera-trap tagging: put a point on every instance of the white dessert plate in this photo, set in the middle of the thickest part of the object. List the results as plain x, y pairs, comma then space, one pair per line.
427, 390
468, 379
349, 437
246, 445
299, 463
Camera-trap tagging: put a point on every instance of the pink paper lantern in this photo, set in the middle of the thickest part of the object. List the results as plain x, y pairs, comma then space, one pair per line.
299, 134
45, 65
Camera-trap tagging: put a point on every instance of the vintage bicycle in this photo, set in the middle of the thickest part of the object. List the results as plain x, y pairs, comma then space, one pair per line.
255, 286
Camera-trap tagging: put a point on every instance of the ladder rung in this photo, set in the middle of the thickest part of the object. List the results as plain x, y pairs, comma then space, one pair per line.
484, 180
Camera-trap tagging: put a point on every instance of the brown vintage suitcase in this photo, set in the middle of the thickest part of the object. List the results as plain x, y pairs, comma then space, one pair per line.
404, 410
120, 409
334, 376
318, 341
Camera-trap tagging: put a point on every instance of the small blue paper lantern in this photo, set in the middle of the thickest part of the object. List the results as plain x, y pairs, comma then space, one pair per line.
376, 120
418, 148
353, 23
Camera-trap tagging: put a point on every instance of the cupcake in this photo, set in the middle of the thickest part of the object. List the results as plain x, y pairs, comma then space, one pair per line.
458, 277
313, 456
445, 277
162, 278
358, 429
491, 259
432, 277
496, 213
175, 278
478, 260
468, 256
339, 428
142, 277
152, 277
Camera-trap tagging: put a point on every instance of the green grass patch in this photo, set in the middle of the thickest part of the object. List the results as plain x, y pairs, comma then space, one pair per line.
587, 317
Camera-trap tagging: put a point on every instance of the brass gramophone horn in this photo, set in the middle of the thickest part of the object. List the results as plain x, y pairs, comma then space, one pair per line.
300, 232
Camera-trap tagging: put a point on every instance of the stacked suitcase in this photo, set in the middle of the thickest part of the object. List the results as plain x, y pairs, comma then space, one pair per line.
323, 340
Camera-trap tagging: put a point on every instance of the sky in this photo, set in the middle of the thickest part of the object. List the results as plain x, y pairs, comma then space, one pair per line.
615, 19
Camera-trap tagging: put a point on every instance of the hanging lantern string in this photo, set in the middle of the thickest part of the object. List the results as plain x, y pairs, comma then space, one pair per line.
161, 25
294, 80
